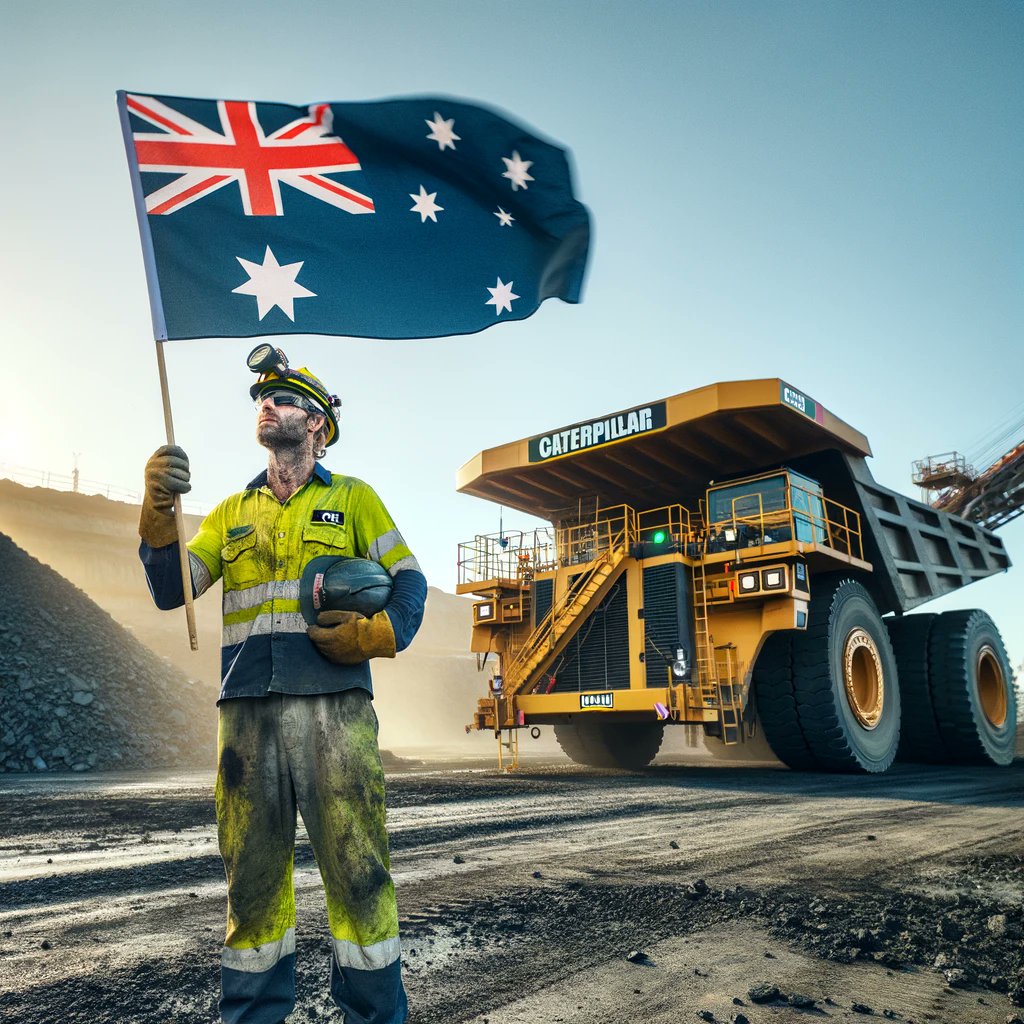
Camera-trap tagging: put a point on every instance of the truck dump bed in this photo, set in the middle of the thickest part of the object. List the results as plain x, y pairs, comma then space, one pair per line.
669, 451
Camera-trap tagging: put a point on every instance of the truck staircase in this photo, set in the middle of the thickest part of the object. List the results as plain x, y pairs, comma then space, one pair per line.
561, 623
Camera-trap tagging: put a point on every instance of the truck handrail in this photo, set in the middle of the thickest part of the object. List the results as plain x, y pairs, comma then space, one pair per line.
840, 526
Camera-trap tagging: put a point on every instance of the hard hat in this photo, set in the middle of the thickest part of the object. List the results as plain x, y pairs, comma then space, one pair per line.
303, 383
330, 583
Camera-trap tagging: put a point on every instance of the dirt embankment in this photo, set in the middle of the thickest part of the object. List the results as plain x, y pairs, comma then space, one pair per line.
424, 697
77, 691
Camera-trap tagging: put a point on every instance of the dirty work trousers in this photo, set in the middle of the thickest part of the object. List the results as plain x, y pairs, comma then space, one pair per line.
316, 754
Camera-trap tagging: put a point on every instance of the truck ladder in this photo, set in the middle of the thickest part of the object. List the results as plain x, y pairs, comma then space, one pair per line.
707, 672
562, 621
730, 707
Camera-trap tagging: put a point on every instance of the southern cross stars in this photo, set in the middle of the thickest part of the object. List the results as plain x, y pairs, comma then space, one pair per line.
441, 132
273, 285
501, 297
424, 205
515, 170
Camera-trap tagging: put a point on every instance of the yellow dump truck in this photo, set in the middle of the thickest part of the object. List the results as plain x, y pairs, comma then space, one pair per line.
724, 558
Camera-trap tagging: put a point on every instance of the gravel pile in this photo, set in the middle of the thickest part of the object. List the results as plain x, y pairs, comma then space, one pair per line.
77, 691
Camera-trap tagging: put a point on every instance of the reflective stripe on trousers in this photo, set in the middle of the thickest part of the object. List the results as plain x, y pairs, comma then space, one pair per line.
317, 755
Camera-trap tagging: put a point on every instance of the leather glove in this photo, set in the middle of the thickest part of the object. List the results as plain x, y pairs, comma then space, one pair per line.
348, 638
167, 476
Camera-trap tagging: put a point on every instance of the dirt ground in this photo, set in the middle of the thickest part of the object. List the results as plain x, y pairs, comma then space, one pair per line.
522, 897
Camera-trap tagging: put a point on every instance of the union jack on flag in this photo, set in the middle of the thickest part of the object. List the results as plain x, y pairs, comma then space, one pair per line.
260, 218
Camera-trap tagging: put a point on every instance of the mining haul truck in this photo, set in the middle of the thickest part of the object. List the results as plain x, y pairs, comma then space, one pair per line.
724, 558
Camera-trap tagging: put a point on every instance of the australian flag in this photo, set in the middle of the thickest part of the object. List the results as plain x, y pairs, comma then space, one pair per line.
406, 218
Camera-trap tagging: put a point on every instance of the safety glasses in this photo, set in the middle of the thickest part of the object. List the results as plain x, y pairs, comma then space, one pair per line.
284, 398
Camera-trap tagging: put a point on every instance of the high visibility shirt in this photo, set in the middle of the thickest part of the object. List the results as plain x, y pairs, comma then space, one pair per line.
259, 547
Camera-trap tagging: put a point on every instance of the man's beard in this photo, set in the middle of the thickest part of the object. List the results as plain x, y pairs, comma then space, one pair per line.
284, 434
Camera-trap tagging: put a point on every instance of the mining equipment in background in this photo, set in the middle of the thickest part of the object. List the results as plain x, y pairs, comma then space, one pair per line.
993, 497
721, 558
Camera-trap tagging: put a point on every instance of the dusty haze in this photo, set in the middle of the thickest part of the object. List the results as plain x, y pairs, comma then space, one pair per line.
424, 697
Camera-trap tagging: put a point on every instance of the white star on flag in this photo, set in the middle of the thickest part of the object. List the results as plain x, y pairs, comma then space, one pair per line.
501, 297
505, 219
424, 205
273, 285
441, 132
516, 168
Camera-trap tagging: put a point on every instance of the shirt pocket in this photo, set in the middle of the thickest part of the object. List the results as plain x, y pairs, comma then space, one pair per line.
239, 562
324, 539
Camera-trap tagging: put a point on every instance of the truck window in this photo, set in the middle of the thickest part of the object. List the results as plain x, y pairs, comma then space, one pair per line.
749, 499
808, 508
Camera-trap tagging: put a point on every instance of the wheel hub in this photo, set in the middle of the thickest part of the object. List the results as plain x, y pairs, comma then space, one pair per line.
991, 686
863, 678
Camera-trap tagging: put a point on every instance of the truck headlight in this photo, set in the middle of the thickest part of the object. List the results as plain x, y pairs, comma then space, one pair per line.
680, 667
748, 582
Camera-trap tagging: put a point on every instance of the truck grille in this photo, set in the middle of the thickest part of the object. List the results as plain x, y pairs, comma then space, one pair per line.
542, 590
597, 657
666, 618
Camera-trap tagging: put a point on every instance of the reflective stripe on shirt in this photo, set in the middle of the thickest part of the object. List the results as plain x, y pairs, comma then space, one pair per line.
201, 578
409, 562
264, 625
253, 597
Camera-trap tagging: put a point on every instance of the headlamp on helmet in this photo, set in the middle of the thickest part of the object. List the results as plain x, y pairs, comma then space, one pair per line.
267, 359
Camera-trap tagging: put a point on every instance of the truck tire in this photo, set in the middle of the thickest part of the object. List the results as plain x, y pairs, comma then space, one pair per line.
776, 703
844, 681
920, 738
610, 744
972, 688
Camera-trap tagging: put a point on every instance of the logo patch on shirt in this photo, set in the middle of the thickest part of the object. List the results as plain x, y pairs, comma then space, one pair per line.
238, 531
328, 515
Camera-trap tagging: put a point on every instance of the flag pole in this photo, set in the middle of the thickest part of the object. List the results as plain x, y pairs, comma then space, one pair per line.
179, 519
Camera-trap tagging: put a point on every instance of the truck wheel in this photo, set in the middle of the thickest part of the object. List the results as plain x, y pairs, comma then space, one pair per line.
844, 681
776, 703
610, 744
972, 688
920, 739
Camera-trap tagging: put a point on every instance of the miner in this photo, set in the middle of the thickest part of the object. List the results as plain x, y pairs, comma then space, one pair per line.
297, 728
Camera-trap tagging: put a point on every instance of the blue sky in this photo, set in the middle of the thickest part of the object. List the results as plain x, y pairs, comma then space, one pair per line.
824, 192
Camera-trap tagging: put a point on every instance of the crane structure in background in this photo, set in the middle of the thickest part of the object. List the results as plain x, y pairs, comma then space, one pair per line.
992, 497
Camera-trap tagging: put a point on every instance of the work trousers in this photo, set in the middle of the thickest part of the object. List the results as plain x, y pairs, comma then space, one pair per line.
316, 754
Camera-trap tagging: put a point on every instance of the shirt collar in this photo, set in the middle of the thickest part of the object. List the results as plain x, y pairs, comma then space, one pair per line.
319, 473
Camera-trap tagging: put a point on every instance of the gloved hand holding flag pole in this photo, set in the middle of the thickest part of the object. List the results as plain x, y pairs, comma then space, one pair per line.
405, 218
